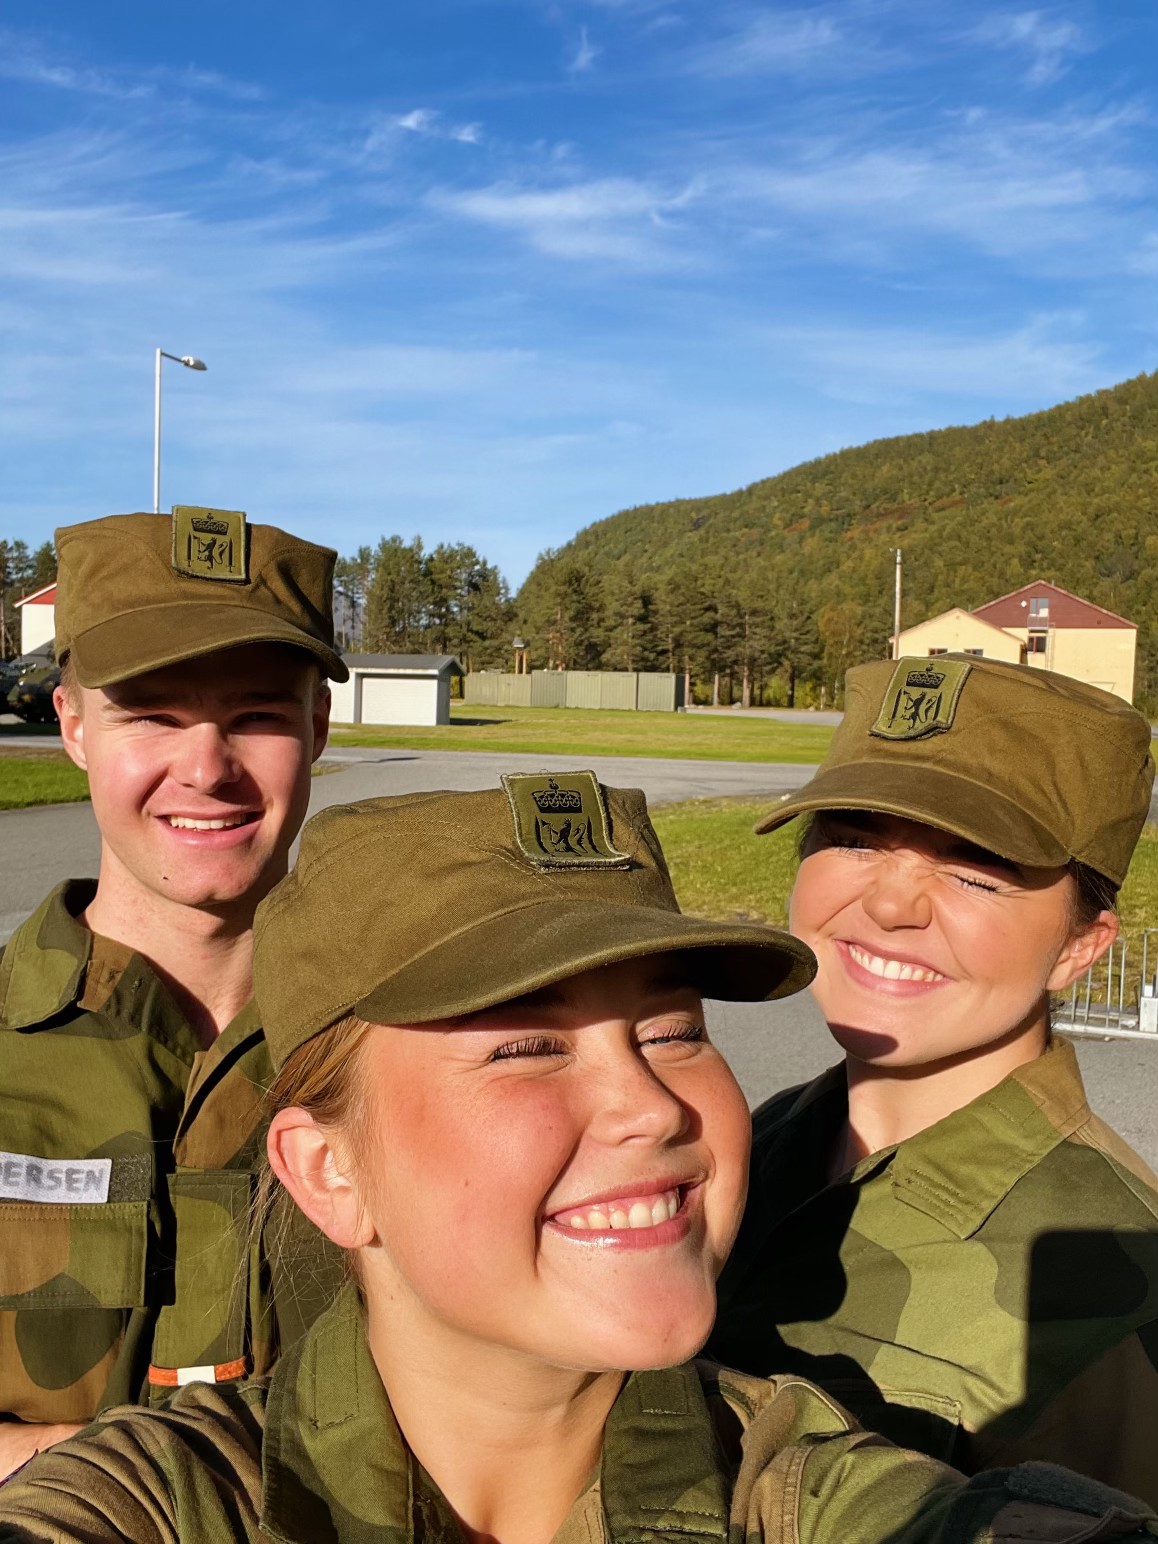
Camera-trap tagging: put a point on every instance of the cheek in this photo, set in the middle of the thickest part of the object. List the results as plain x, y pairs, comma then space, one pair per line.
725, 1129
467, 1167
816, 895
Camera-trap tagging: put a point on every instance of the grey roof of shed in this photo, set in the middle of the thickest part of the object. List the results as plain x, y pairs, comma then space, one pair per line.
406, 664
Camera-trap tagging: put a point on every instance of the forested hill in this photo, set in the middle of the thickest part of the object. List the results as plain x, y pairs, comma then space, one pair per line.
802, 563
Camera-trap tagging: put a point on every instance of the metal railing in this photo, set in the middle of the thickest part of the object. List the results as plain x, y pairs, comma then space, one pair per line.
1111, 1001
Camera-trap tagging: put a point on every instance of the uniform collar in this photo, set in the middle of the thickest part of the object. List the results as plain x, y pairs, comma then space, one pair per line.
43, 968
45, 959
956, 1171
335, 1465
959, 1170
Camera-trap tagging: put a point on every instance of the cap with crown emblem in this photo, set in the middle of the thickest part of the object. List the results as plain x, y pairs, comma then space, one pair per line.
139, 592
1029, 764
502, 892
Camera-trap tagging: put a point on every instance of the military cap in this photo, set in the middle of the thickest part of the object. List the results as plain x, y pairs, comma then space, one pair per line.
1026, 763
138, 592
426, 906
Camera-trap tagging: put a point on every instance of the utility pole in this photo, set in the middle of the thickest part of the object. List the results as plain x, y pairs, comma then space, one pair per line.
897, 610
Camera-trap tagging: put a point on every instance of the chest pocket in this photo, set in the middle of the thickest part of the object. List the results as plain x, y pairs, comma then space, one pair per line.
72, 1291
931, 1423
204, 1330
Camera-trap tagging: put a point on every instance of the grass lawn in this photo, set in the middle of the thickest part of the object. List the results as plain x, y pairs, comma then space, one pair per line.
30, 777
721, 870
596, 732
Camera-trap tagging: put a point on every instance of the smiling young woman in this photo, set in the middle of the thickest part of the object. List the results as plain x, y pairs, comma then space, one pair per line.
977, 1260
494, 1090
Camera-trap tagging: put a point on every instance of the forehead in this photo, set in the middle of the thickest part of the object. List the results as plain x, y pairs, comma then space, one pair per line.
247, 674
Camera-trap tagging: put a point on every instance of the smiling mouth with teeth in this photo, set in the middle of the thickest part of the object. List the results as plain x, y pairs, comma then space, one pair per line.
626, 1215
892, 970
218, 823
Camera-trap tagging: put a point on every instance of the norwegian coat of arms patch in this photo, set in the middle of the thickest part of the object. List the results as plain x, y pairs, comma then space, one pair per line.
921, 698
560, 820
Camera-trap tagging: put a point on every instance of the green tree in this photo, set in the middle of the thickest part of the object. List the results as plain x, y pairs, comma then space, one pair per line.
352, 578
397, 599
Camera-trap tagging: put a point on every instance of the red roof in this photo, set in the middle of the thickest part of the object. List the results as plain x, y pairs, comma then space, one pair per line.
1065, 609
45, 597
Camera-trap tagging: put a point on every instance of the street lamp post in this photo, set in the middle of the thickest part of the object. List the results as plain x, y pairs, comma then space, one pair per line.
190, 364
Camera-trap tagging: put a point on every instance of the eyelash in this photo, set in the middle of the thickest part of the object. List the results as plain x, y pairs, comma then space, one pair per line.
547, 1045
851, 844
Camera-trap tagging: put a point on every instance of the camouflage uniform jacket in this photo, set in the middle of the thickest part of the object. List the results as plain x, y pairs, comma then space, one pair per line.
313, 1455
986, 1291
150, 1264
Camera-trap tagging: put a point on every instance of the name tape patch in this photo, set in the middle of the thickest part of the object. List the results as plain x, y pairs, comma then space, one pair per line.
921, 698
210, 543
560, 821
67, 1181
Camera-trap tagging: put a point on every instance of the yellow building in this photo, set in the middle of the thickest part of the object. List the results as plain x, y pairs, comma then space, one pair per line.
1038, 624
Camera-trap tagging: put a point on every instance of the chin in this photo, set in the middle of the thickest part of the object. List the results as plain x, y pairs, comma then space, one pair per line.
636, 1348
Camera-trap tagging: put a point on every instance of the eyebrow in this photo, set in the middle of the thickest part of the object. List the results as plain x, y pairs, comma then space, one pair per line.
958, 849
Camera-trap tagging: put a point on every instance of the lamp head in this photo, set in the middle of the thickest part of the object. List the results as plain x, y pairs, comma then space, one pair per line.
193, 364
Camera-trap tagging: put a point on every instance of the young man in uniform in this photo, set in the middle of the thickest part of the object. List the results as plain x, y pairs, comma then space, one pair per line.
195, 654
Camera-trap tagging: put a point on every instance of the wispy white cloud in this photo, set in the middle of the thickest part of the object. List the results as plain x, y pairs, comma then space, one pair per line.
1050, 41
24, 58
585, 54
614, 218
771, 42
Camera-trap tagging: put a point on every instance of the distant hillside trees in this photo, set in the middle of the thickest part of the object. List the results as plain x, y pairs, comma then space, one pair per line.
770, 593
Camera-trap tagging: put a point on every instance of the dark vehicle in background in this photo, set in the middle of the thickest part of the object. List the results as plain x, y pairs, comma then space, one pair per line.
27, 684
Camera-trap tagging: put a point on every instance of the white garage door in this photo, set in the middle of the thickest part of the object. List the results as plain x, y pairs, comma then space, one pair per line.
399, 700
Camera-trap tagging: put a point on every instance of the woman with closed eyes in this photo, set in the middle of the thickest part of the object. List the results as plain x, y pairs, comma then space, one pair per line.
977, 1254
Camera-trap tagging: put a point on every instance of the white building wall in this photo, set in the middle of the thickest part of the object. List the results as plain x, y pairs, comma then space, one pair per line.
37, 625
342, 701
399, 699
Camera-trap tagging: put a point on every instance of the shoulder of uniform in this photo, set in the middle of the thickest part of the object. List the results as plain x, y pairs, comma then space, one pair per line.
44, 961
1123, 1164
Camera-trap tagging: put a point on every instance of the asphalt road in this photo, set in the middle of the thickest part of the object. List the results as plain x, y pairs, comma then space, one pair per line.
770, 1045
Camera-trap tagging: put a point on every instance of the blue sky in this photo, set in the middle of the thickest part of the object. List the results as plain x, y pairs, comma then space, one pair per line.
490, 271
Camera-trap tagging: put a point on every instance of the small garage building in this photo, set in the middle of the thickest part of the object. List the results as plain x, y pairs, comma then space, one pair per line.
395, 689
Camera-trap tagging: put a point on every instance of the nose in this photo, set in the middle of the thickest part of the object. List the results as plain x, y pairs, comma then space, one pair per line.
898, 897
635, 1105
205, 759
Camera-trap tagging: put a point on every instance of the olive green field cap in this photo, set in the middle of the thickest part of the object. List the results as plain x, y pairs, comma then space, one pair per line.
139, 592
428, 906
1028, 764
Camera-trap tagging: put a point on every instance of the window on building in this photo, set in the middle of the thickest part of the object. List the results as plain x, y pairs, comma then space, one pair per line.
1035, 644
1039, 609
931, 652
980, 653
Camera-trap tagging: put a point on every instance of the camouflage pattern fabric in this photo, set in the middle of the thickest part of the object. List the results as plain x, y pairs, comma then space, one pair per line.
97, 1063
987, 1291
694, 1454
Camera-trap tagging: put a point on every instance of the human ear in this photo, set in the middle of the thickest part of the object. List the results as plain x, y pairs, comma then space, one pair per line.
70, 712
314, 1171
1083, 949
321, 717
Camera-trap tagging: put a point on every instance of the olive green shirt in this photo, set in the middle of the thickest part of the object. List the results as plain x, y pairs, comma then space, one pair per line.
127, 1163
693, 1455
986, 1291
